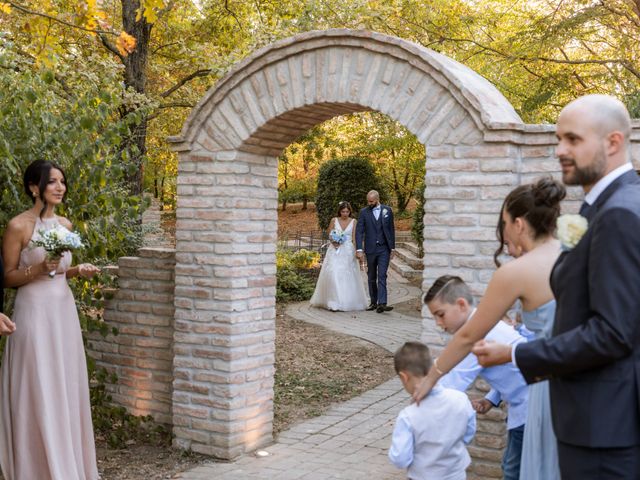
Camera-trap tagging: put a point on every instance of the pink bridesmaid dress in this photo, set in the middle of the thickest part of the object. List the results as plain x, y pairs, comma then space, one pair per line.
45, 416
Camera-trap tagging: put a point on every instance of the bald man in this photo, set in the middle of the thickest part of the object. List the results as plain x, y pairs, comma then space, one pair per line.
376, 232
593, 358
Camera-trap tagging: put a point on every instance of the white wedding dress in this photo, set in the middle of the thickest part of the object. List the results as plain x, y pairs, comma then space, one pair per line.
340, 285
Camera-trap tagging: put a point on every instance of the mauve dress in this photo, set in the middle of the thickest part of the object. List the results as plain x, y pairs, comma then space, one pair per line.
45, 422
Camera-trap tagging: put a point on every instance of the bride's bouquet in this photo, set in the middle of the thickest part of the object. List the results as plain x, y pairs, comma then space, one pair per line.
56, 241
337, 237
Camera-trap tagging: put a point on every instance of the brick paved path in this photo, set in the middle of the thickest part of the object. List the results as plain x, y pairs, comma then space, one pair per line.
351, 440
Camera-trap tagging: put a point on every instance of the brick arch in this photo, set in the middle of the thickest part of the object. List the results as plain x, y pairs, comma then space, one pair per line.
227, 203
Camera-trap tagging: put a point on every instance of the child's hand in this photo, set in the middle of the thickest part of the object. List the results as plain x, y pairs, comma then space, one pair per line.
481, 405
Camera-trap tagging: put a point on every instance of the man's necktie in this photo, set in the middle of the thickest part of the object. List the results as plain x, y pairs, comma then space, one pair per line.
584, 209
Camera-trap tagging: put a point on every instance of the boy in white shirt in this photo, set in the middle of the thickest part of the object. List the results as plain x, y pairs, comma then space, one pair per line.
429, 439
451, 303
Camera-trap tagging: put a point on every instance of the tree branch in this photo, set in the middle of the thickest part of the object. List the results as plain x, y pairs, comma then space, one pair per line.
24, 9
109, 46
188, 78
169, 105
231, 12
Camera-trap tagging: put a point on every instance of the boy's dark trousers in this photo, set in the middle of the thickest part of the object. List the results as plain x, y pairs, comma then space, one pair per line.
513, 454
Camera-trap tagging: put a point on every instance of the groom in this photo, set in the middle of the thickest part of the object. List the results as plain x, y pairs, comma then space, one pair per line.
375, 222
593, 358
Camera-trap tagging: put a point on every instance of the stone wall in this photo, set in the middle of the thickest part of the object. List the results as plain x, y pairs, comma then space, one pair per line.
141, 354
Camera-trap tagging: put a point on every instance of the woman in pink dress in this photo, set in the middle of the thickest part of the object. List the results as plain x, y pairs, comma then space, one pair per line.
45, 416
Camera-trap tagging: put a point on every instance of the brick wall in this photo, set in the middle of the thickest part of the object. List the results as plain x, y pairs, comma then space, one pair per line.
141, 354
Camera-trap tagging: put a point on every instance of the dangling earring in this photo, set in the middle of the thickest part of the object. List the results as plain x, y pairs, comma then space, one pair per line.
34, 194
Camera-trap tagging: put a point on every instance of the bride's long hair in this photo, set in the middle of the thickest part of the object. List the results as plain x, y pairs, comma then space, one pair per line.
342, 205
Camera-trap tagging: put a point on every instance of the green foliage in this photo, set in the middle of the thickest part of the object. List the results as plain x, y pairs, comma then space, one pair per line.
119, 427
298, 190
302, 259
632, 101
71, 118
292, 286
295, 274
417, 228
348, 179
396, 153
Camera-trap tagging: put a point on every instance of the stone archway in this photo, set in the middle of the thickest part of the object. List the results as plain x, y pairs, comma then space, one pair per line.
227, 202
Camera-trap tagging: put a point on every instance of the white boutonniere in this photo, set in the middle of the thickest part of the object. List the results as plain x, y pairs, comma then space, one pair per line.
385, 212
571, 228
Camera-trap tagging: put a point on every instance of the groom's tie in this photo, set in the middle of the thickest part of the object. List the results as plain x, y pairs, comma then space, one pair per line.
584, 209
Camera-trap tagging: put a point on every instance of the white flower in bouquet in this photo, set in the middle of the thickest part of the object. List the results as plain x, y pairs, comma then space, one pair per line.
571, 228
56, 241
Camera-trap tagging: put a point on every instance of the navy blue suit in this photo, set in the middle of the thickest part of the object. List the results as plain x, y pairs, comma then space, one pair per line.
593, 358
379, 240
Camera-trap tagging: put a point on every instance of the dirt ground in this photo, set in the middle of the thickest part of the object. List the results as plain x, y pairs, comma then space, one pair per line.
295, 220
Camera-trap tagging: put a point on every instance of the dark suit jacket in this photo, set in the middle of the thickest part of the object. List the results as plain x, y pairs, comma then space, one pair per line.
366, 227
593, 358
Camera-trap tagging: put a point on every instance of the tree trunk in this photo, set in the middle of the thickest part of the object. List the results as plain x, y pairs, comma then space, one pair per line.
136, 77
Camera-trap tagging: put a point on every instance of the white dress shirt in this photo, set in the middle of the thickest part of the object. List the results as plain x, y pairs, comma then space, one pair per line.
506, 380
429, 439
605, 181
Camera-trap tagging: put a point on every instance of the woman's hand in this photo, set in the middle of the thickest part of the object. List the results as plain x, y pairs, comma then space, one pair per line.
49, 265
87, 270
7, 327
424, 386
491, 353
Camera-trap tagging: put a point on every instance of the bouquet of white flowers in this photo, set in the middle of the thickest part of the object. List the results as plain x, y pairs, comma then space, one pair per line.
56, 241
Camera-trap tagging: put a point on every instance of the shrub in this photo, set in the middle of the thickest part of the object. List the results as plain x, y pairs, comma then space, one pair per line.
348, 179
417, 229
301, 259
294, 275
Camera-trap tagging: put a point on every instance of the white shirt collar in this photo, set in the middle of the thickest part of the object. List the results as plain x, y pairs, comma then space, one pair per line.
605, 181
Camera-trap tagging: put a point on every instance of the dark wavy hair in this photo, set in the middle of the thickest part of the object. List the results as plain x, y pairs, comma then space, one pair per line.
538, 203
38, 173
343, 205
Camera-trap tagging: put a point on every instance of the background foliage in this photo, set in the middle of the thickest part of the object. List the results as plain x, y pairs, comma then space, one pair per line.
295, 274
69, 117
347, 179
540, 54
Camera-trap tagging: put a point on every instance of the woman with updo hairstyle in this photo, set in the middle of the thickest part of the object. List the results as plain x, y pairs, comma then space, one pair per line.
526, 228
45, 415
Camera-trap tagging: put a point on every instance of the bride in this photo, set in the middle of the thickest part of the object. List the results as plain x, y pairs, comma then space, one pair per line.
340, 285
